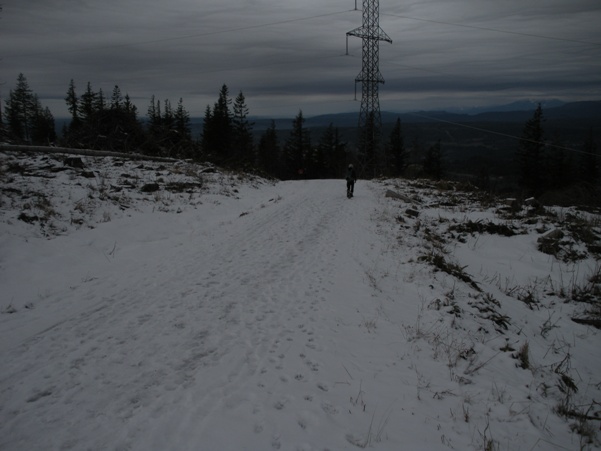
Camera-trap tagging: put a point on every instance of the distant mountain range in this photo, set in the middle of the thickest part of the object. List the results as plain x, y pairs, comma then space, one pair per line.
520, 105
511, 113
588, 112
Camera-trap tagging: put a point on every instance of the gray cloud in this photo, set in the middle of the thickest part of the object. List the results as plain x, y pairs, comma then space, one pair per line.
287, 55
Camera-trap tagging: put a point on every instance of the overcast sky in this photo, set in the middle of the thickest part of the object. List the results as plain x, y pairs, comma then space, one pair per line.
288, 55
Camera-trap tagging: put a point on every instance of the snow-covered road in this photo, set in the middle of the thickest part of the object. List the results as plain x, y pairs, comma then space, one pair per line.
219, 328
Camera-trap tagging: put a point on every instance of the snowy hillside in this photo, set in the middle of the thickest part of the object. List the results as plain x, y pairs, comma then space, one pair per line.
169, 306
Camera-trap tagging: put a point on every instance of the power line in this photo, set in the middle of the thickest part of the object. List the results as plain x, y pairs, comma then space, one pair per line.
496, 30
178, 38
505, 135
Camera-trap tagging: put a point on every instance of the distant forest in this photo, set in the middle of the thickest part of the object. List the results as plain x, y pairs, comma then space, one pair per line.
530, 157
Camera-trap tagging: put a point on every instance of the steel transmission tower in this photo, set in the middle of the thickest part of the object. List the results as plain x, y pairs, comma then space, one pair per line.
370, 76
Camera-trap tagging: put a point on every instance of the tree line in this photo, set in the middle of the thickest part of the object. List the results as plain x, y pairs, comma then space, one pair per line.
113, 123
227, 140
546, 165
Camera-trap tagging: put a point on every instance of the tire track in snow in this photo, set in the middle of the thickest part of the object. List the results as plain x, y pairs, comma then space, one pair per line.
265, 399
285, 259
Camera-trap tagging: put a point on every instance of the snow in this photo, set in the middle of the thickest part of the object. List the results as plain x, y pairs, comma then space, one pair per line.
244, 314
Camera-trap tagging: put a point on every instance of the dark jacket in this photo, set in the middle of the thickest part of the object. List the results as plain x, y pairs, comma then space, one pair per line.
351, 176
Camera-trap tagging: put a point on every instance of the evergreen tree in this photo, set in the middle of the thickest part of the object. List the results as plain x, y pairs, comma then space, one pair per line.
19, 111
100, 102
116, 99
168, 119
184, 147
268, 152
242, 131
531, 152
72, 103
182, 122
328, 158
315, 162
130, 109
88, 104
44, 129
118, 125
153, 127
27, 121
153, 113
216, 137
98, 127
396, 150
207, 138
155, 131
221, 128
321, 162
296, 148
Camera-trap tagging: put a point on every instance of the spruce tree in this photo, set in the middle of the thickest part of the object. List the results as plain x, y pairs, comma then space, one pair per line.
100, 102
159, 127
207, 137
72, 104
168, 119
27, 121
315, 162
183, 135
296, 148
44, 131
242, 133
116, 99
396, 150
19, 111
221, 128
268, 152
328, 158
182, 122
155, 122
88, 104
153, 114
129, 108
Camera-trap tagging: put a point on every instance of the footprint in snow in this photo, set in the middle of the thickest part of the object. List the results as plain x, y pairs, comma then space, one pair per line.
279, 405
328, 408
275, 442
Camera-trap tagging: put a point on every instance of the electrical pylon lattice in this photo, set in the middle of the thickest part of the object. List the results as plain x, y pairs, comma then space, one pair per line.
370, 76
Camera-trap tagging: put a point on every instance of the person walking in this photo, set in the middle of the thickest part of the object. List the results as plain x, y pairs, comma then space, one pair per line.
351, 178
